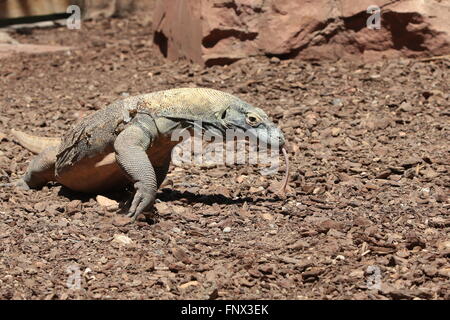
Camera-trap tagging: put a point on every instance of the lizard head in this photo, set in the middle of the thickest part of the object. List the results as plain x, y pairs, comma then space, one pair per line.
253, 121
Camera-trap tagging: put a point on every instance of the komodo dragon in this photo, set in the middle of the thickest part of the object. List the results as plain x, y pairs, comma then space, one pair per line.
130, 141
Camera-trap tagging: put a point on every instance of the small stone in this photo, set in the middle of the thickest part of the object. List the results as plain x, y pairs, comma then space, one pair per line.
135, 283
395, 177
73, 207
413, 240
176, 230
444, 246
267, 216
107, 203
337, 102
328, 224
122, 239
439, 222
162, 208
298, 245
40, 206
429, 173
335, 233
383, 175
410, 162
181, 255
177, 267
357, 274
254, 273
424, 192
440, 197
371, 186
405, 106
335, 132
188, 284
256, 190
62, 223
445, 272
362, 222
178, 209
403, 253
274, 60
227, 230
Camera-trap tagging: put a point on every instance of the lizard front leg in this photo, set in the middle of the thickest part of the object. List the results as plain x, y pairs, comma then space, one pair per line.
130, 147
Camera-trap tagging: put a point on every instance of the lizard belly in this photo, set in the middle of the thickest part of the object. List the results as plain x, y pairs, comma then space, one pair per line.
92, 175
160, 151
102, 173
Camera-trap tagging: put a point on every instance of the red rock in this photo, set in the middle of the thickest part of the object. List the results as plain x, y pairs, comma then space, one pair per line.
213, 32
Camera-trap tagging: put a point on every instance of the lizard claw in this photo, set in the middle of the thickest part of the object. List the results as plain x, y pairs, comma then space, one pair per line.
143, 199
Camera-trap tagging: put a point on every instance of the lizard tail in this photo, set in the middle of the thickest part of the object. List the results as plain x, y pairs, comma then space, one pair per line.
34, 143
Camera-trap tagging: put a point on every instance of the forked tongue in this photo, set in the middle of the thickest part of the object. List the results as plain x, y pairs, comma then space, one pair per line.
285, 181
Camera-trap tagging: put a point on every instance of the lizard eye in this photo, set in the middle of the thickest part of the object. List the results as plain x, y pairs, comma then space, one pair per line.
252, 120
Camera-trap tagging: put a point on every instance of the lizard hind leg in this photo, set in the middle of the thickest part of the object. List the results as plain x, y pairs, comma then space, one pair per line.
40, 170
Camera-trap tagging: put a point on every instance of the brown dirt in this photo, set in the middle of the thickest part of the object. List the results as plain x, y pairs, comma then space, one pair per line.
369, 146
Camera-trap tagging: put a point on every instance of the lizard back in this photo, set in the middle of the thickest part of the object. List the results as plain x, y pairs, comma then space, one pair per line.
93, 134
89, 137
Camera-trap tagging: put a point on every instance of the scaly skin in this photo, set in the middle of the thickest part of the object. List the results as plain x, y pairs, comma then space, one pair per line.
130, 141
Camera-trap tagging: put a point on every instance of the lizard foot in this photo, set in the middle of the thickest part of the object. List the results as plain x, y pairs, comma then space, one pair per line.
143, 200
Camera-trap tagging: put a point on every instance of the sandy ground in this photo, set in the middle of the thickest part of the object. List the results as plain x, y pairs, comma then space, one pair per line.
367, 211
